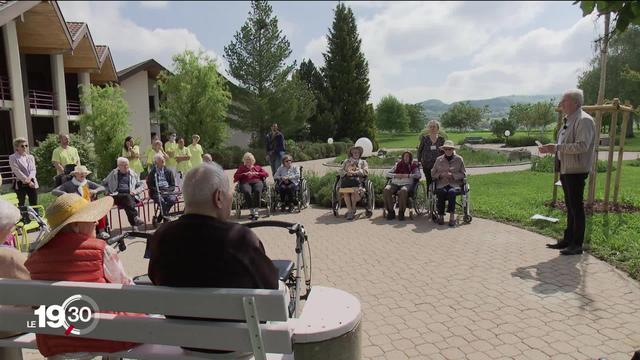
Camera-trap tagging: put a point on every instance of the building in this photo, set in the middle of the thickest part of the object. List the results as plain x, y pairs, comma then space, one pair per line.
139, 83
43, 62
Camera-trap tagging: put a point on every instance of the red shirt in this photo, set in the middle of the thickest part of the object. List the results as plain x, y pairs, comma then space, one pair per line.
242, 175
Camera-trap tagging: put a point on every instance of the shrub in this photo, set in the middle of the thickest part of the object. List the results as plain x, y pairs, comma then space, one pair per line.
498, 127
519, 141
546, 164
44, 166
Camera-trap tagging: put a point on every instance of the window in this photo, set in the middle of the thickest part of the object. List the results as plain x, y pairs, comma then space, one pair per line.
152, 104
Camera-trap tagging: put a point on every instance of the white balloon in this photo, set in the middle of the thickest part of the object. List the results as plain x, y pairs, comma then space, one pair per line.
366, 144
507, 133
330, 141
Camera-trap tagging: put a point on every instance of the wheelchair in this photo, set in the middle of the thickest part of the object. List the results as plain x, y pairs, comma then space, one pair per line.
368, 197
302, 196
464, 202
416, 202
266, 197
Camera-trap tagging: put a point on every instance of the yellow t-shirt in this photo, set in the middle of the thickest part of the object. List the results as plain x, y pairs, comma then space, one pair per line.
148, 156
65, 156
196, 154
134, 164
168, 148
183, 165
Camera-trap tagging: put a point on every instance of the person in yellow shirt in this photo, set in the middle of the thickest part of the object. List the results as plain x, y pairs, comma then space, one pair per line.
132, 153
64, 155
196, 151
156, 149
170, 147
183, 157
149, 152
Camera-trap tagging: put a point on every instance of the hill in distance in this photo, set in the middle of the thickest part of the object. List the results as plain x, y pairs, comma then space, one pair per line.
498, 106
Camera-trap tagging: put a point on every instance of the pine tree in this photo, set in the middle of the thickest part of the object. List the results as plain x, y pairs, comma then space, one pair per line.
257, 59
321, 125
346, 74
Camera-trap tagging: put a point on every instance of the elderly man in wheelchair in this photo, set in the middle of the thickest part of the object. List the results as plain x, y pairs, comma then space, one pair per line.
403, 179
291, 190
251, 179
449, 177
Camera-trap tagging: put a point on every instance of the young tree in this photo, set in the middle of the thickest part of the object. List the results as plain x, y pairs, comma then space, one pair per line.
321, 125
461, 116
498, 127
196, 98
107, 125
391, 114
543, 114
346, 73
257, 59
417, 118
626, 13
520, 114
292, 104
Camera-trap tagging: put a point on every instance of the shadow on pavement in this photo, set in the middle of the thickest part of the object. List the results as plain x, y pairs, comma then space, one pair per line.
560, 274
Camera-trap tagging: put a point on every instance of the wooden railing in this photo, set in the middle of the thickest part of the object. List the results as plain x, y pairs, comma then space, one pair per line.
73, 107
41, 100
5, 88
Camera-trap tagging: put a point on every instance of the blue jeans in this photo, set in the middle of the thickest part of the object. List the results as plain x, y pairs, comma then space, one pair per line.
276, 160
448, 194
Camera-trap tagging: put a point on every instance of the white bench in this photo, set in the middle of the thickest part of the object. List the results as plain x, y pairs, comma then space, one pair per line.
328, 314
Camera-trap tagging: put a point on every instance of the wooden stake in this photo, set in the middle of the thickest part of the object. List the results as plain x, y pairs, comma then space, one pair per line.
612, 144
556, 175
623, 133
594, 167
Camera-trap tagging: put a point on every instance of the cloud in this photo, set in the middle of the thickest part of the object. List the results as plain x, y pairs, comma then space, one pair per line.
154, 4
129, 42
314, 49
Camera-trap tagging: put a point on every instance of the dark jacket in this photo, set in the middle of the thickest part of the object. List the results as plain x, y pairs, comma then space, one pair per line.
428, 155
151, 181
275, 143
228, 255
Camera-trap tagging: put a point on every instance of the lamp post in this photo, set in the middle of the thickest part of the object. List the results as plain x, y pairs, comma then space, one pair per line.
507, 133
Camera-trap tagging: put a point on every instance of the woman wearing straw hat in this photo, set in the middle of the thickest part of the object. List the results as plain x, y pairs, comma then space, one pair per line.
352, 173
448, 172
85, 188
71, 245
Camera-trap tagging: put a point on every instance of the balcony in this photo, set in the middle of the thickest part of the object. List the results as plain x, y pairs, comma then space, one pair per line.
41, 100
5, 89
73, 107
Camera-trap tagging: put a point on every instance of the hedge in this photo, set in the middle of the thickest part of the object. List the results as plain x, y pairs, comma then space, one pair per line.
520, 141
546, 164
44, 166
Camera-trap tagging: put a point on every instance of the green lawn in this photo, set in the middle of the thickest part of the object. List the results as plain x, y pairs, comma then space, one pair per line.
515, 197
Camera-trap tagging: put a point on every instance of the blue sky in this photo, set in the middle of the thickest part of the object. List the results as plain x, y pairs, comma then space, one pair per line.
416, 50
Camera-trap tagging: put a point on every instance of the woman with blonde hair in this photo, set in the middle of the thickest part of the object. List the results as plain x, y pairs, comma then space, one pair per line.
430, 148
23, 166
250, 178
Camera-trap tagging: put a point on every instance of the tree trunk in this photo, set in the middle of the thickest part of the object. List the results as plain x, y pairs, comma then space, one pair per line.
629, 132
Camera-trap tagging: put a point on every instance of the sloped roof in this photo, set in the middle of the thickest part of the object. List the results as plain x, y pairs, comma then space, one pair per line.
9, 10
75, 28
102, 51
107, 72
152, 67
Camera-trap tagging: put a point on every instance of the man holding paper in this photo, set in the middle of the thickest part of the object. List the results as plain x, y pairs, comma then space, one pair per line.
574, 155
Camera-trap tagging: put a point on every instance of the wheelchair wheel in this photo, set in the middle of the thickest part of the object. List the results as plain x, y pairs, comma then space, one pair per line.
268, 199
305, 195
467, 219
420, 199
335, 199
237, 204
371, 199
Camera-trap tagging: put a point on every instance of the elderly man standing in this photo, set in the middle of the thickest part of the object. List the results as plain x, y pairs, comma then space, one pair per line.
65, 155
124, 185
229, 255
161, 184
574, 156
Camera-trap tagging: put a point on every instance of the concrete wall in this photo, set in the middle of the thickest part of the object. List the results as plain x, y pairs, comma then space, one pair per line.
136, 93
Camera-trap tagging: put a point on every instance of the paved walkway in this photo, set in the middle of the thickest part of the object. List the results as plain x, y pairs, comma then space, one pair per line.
479, 291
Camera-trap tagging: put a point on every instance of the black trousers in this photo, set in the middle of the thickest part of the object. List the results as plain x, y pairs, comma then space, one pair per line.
128, 204
448, 194
252, 193
287, 192
167, 202
23, 191
573, 187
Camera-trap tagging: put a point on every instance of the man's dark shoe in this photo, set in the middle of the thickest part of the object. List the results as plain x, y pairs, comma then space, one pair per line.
401, 216
441, 220
571, 251
391, 215
559, 245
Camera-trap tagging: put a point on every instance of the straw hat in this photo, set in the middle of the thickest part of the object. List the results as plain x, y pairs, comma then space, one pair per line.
448, 145
359, 148
80, 169
71, 208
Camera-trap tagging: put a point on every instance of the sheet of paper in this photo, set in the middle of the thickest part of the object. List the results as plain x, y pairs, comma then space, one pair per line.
558, 183
542, 217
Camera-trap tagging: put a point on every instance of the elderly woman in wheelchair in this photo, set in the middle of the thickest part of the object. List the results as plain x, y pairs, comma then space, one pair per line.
448, 172
353, 173
287, 179
403, 179
251, 182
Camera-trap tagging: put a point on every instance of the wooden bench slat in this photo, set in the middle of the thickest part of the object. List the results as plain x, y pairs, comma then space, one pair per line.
192, 302
177, 332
